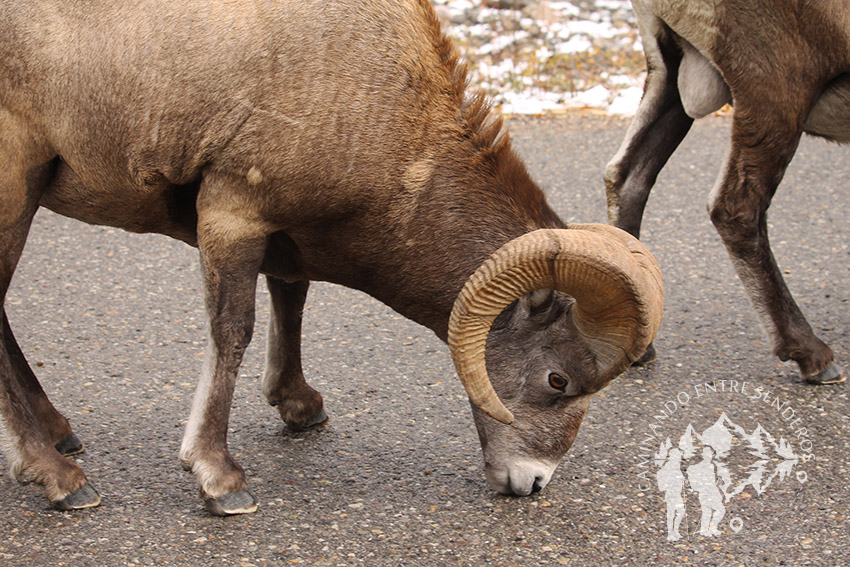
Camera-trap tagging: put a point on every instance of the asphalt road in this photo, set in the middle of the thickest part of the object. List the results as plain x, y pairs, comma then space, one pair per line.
113, 324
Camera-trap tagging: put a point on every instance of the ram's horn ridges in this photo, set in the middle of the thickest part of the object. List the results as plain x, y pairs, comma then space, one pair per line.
613, 277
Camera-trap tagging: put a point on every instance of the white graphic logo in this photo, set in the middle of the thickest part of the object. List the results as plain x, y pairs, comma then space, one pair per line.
721, 462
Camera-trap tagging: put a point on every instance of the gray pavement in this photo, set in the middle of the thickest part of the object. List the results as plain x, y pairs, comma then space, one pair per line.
113, 325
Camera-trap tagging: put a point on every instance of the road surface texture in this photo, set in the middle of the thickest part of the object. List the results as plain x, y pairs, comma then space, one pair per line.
113, 325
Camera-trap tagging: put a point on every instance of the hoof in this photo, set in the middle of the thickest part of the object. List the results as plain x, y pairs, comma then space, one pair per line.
318, 419
832, 375
70, 445
242, 502
85, 497
647, 358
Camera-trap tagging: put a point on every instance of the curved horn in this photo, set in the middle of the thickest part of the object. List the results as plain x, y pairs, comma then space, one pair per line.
614, 279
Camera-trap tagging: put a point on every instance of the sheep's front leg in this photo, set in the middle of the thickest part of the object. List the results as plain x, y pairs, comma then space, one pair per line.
300, 406
231, 250
764, 139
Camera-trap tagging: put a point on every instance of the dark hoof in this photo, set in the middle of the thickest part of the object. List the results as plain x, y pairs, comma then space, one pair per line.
648, 357
242, 502
320, 418
85, 497
70, 445
832, 375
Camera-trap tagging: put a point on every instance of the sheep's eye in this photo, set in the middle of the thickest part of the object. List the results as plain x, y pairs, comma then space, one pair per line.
557, 381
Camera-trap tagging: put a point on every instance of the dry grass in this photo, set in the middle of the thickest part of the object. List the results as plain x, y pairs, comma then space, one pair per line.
512, 50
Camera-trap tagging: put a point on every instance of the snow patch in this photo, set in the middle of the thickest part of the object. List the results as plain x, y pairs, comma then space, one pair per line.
550, 55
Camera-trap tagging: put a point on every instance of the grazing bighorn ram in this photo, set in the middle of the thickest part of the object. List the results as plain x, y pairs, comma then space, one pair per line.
307, 140
786, 67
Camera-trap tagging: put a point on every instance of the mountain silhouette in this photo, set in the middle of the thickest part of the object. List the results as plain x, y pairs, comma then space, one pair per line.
688, 442
761, 441
722, 435
731, 442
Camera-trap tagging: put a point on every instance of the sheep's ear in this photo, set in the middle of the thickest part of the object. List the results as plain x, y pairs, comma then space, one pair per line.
530, 304
539, 300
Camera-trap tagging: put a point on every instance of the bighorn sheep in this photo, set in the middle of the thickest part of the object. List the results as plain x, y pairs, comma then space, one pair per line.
307, 140
786, 67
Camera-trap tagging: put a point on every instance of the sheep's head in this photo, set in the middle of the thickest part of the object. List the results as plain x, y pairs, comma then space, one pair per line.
547, 321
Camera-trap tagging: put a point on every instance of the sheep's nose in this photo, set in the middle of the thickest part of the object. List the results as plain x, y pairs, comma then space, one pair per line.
520, 478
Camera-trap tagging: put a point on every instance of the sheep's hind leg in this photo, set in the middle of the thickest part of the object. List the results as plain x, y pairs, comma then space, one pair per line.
299, 405
39, 434
52, 423
759, 153
654, 134
33, 428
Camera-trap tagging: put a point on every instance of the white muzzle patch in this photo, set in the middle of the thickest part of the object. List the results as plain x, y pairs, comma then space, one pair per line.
520, 477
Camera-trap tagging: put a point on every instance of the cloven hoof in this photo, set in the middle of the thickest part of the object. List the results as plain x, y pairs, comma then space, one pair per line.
647, 358
833, 374
316, 420
242, 502
70, 445
85, 497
